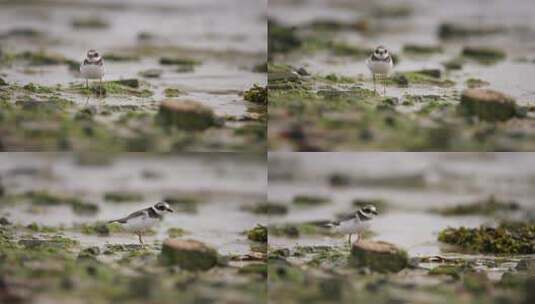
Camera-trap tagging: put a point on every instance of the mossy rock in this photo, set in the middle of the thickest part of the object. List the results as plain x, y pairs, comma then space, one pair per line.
309, 200
378, 256
256, 94
420, 49
454, 30
2, 82
188, 254
487, 104
267, 208
178, 61
256, 268
186, 114
483, 55
122, 196
282, 39
258, 234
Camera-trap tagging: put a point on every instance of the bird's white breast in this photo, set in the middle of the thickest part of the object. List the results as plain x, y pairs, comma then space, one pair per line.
92, 71
380, 67
140, 223
352, 226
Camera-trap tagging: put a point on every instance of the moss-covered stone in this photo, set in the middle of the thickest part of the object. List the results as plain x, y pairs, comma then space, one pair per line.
487, 104
188, 254
123, 196
179, 61
89, 22
378, 256
420, 49
485, 55
487, 207
455, 30
475, 83
175, 232
151, 73
309, 200
267, 208
186, 114
512, 238
256, 94
172, 92
119, 57
453, 271
258, 234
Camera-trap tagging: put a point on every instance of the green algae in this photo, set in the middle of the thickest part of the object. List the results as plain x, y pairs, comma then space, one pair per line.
475, 83
172, 92
258, 234
488, 206
508, 238
309, 200
89, 22
176, 232
123, 196
422, 77
179, 61
268, 208
256, 268
256, 94
419, 49
484, 55
453, 30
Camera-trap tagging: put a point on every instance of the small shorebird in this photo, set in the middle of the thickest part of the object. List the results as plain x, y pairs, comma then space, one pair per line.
142, 220
380, 63
356, 223
92, 68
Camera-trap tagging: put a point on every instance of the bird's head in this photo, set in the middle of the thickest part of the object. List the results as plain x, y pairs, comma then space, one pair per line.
92, 54
162, 207
368, 211
381, 52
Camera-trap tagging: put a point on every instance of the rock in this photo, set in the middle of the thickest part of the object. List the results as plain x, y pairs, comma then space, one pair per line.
186, 114
132, 82
378, 256
256, 94
483, 54
188, 254
2, 82
258, 234
178, 61
487, 104
453, 30
151, 73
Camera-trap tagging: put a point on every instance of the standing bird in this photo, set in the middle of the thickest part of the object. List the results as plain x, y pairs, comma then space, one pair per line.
380, 63
356, 223
141, 221
92, 68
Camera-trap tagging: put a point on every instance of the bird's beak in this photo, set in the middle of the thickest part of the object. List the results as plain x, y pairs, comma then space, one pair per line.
170, 210
375, 212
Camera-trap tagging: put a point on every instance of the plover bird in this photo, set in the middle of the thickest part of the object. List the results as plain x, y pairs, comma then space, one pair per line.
355, 223
141, 221
92, 67
380, 63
